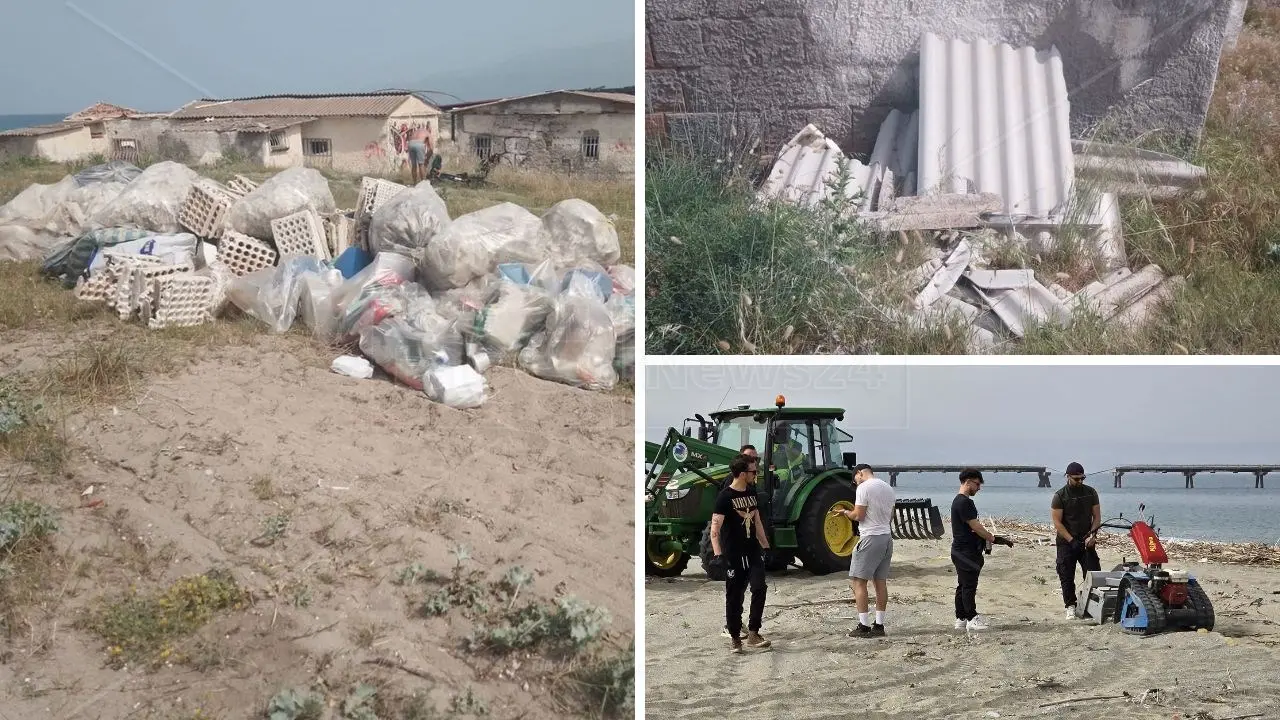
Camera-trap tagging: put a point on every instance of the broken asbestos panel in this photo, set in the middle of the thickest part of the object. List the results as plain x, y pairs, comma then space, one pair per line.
1124, 292
1138, 313
935, 212
1134, 172
1017, 298
946, 275
807, 165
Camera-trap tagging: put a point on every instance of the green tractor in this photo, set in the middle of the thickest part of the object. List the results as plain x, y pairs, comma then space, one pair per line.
804, 476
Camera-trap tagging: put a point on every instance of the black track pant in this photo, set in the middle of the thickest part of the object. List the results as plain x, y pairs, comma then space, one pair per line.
1068, 558
968, 566
745, 572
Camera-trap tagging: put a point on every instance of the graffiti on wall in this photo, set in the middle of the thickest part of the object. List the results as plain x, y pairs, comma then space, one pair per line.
390, 152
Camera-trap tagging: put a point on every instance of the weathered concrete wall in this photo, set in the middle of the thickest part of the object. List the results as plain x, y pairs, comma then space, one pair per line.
206, 148
70, 146
843, 64
145, 132
549, 133
15, 146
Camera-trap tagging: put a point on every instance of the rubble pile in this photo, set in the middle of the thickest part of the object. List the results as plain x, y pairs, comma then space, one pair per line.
433, 301
987, 159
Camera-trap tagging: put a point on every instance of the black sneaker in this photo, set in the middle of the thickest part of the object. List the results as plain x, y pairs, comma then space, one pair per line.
877, 630
861, 631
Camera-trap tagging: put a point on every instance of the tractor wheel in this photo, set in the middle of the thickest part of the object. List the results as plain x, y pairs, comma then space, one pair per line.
663, 564
1199, 599
704, 550
825, 542
1135, 601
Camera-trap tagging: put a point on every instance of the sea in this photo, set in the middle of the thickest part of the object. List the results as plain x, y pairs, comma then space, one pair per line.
12, 122
1221, 507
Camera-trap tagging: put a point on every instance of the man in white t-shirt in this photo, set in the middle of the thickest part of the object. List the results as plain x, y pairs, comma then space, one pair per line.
873, 511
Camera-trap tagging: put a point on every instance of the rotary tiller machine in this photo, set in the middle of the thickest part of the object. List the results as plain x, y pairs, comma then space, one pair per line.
1144, 598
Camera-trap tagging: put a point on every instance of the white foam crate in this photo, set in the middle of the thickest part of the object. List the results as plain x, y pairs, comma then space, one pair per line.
243, 254
205, 209
374, 193
98, 287
179, 301
300, 234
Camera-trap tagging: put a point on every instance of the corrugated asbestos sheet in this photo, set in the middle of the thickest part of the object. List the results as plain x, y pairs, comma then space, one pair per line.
242, 125
40, 130
892, 169
995, 119
805, 167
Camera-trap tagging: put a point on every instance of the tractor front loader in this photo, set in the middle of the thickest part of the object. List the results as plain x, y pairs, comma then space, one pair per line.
804, 476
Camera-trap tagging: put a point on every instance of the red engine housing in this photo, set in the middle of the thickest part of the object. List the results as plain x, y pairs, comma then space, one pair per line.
1174, 594
1150, 549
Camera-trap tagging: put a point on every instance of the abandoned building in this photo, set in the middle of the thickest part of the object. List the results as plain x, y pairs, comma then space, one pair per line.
569, 129
92, 131
364, 132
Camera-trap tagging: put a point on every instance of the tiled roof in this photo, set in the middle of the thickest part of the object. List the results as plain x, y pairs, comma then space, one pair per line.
244, 125
353, 105
102, 111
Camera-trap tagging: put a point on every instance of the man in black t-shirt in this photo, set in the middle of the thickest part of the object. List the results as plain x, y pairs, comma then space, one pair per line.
1077, 515
738, 542
968, 542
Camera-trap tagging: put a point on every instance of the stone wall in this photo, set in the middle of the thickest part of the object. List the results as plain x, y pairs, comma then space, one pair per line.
1134, 66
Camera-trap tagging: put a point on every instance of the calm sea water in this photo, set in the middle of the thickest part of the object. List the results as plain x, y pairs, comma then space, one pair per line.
1221, 507
10, 122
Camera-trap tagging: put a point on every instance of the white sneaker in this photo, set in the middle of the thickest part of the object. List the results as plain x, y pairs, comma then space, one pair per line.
961, 624
1071, 613
977, 623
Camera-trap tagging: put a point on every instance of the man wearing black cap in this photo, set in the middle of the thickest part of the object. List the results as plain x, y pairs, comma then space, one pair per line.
1077, 515
969, 540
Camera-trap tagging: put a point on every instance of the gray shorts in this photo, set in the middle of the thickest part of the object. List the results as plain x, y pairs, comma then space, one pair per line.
871, 557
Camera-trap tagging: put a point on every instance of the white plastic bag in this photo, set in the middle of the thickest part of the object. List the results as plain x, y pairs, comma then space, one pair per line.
151, 202
173, 249
514, 315
473, 245
315, 305
289, 192
408, 222
21, 243
409, 346
458, 386
352, 366
581, 232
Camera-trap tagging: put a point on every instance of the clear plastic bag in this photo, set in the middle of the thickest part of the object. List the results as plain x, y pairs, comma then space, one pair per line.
112, 171
579, 343
20, 243
513, 315
316, 303
408, 222
581, 232
379, 301
473, 245
286, 193
272, 294
624, 279
386, 269
150, 202
408, 347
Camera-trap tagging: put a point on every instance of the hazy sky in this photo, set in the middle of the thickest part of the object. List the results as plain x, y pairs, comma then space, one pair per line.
58, 56
1099, 416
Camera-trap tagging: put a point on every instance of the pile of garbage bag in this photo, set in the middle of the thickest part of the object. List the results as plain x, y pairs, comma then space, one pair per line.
432, 300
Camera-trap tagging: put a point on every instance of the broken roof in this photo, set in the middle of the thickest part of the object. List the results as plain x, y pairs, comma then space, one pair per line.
616, 97
243, 125
379, 104
102, 111
47, 129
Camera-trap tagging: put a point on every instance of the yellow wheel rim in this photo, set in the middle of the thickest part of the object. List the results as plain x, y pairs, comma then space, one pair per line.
664, 561
837, 530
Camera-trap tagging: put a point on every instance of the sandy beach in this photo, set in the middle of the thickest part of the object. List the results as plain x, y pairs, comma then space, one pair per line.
1030, 663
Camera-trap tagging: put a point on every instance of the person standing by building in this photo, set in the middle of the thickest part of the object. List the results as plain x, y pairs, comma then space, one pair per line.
873, 511
738, 543
1077, 516
420, 151
969, 540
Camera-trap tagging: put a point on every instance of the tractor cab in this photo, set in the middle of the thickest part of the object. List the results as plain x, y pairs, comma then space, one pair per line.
794, 444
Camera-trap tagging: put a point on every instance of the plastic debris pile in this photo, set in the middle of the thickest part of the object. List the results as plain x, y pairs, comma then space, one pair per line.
432, 300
